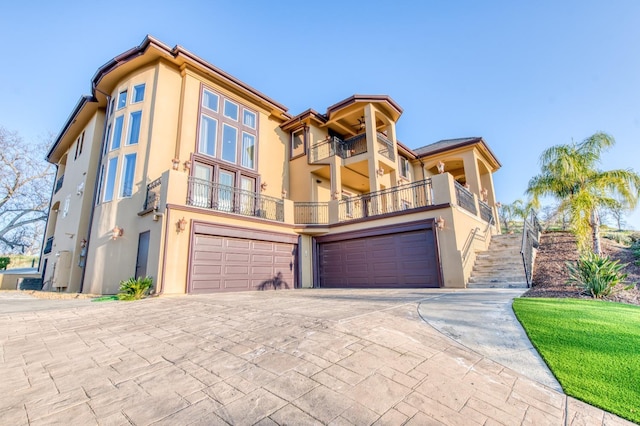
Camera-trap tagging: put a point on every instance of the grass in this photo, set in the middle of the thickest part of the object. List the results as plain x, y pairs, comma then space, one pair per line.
592, 347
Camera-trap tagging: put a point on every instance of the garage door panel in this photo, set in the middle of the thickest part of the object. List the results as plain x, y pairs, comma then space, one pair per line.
221, 263
403, 259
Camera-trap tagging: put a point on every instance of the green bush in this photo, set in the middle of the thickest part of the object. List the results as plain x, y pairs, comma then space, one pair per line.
4, 262
135, 288
598, 275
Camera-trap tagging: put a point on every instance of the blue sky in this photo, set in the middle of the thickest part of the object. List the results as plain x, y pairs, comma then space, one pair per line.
524, 75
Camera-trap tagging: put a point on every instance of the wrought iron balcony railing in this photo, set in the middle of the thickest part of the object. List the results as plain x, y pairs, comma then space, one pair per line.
214, 196
385, 147
465, 199
311, 213
391, 200
349, 147
485, 212
153, 195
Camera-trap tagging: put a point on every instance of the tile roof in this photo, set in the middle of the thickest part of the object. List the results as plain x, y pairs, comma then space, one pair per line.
444, 145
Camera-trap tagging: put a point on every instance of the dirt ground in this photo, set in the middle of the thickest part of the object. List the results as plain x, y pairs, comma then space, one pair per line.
550, 272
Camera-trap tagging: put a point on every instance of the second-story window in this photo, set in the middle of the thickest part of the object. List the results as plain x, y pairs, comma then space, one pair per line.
228, 130
117, 132
404, 167
122, 99
138, 93
297, 143
134, 127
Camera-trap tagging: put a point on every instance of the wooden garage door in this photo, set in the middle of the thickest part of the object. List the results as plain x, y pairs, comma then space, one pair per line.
394, 260
220, 263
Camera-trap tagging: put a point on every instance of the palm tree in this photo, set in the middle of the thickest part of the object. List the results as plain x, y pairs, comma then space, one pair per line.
569, 173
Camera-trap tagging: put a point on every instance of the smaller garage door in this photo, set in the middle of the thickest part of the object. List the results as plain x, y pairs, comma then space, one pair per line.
395, 258
222, 263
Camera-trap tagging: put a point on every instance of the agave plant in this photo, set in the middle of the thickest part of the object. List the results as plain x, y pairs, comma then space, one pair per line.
598, 275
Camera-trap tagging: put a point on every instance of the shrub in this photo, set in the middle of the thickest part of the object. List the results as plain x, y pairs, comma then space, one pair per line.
4, 262
135, 288
598, 275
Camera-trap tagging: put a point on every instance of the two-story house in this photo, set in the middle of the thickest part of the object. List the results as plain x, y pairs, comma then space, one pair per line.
175, 169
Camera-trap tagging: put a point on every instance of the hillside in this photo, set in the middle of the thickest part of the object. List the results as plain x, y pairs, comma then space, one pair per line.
550, 273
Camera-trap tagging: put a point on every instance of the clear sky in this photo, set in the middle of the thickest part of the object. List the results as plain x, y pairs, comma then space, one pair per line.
524, 75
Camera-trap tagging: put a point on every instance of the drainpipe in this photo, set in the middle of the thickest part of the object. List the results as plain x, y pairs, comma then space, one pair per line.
95, 186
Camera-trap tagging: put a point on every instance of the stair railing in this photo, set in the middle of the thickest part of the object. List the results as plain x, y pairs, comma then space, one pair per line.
530, 241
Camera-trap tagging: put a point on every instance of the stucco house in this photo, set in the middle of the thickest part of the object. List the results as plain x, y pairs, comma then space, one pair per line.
174, 169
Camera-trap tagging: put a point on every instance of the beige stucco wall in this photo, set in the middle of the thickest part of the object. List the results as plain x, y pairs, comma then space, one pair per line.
9, 280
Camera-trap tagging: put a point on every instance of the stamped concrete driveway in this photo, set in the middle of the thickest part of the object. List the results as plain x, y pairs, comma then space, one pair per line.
286, 357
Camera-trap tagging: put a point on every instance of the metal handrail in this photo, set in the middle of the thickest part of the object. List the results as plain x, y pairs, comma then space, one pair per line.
398, 198
215, 196
530, 241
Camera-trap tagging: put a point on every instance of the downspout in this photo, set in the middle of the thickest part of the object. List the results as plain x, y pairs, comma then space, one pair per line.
95, 186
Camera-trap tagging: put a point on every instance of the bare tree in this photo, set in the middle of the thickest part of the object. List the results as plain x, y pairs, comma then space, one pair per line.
618, 212
25, 188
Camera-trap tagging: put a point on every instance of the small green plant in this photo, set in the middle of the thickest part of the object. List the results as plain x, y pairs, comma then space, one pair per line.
4, 262
135, 288
598, 275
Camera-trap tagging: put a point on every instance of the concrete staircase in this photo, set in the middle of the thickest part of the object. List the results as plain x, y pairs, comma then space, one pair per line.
501, 265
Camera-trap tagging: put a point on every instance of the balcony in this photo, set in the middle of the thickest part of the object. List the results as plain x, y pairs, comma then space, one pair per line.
391, 200
227, 199
347, 148
465, 199
58, 184
486, 213
153, 195
311, 213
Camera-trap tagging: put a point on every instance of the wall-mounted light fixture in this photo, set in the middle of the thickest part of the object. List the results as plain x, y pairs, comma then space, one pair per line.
116, 232
380, 172
181, 225
440, 222
187, 165
263, 186
284, 193
175, 163
485, 194
440, 167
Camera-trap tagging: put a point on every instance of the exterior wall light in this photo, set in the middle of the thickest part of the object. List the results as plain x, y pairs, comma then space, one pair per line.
116, 232
181, 225
440, 167
187, 165
263, 186
440, 222
485, 194
284, 193
380, 172
175, 163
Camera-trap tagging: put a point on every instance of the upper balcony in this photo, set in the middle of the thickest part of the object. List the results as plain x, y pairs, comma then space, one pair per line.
356, 145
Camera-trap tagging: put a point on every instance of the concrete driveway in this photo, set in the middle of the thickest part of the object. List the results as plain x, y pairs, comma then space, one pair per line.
280, 357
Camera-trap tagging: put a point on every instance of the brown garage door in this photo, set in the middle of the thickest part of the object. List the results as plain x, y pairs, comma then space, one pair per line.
222, 263
406, 259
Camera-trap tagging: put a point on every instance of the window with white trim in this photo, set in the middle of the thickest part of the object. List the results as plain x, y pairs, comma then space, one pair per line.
122, 99
138, 93
297, 143
117, 132
128, 175
404, 167
110, 181
135, 118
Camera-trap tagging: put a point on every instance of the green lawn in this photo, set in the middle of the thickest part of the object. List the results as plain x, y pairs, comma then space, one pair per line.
592, 347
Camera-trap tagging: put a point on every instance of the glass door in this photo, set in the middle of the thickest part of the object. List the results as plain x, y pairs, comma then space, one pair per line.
247, 195
225, 191
201, 187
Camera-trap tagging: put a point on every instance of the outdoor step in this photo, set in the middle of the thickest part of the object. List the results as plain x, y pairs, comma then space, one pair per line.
498, 285
497, 279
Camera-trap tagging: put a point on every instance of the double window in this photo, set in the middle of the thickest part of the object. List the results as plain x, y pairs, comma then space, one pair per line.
228, 130
220, 187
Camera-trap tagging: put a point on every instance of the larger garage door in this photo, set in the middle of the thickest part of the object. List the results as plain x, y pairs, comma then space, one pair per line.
400, 260
221, 263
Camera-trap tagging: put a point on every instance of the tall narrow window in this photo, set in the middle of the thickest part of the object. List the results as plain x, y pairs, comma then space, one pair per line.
111, 106
122, 99
404, 167
248, 148
208, 131
229, 143
210, 100
138, 93
128, 175
225, 191
100, 179
117, 132
297, 143
106, 139
112, 169
134, 127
